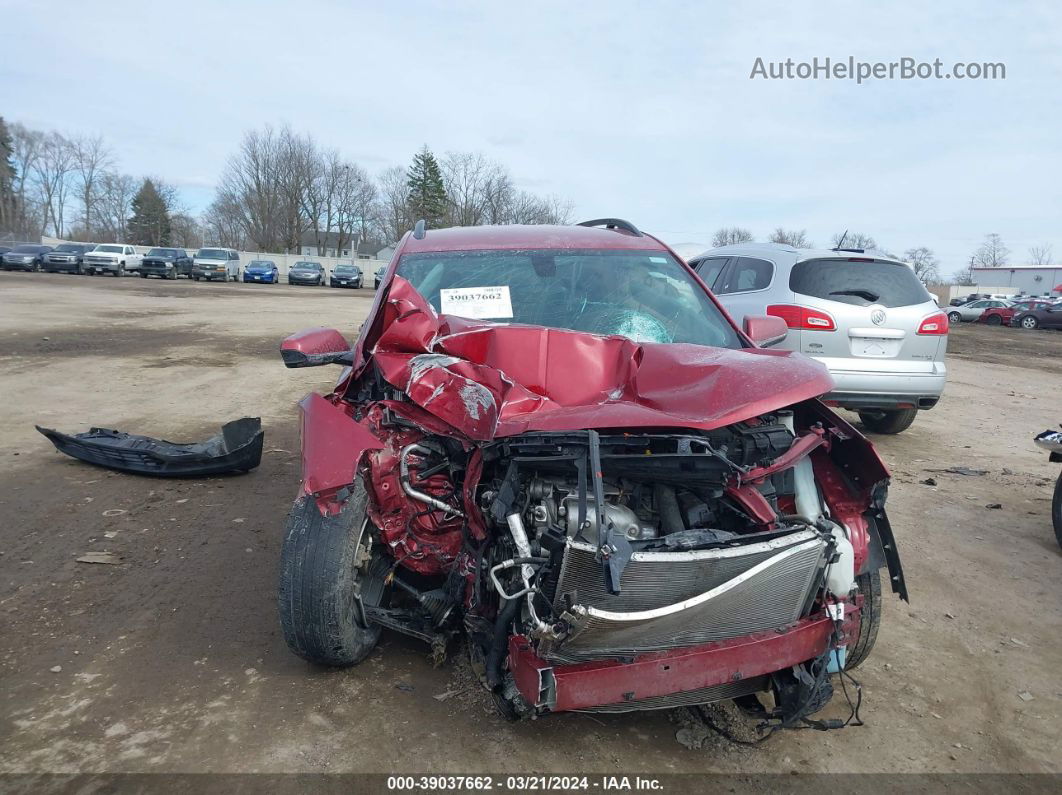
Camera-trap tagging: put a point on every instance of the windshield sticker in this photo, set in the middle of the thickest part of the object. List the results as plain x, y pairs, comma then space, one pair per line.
481, 303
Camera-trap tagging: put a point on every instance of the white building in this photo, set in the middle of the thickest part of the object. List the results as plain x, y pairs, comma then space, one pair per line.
1026, 279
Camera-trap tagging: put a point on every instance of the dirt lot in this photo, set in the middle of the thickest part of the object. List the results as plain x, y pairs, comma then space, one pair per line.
173, 661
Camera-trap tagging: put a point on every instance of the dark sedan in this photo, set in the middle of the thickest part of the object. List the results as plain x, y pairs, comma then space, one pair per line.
27, 257
166, 263
345, 276
1043, 317
66, 257
307, 273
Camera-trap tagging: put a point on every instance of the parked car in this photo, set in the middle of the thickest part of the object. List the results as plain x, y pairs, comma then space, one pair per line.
67, 257
378, 276
25, 257
116, 259
588, 535
166, 263
216, 263
345, 276
866, 317
973, 310
4, 250
1048, 316
307, 273
1002, 315
262, 270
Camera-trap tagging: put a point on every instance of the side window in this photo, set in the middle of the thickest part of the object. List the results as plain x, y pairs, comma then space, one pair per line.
708, 269
749, 274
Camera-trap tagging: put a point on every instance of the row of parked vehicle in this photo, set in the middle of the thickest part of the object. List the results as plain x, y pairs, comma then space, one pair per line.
209, 264
1022, 312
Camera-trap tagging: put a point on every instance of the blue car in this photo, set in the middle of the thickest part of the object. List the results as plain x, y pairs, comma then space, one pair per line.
262, 270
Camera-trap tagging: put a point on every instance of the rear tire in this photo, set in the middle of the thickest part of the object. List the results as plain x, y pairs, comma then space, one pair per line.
869, 585
319, 580
1029, 322
994, 320
892, 421
954, 317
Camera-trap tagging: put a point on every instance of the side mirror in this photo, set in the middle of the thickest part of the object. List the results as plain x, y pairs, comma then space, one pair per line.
314, 347
765, 330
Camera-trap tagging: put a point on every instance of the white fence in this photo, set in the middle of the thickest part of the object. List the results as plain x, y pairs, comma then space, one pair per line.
283, 261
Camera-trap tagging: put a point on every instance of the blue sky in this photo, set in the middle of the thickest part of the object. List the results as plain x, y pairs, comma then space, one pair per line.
643, 111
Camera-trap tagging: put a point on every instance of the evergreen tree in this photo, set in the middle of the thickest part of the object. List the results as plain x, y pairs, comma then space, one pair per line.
150, 224
427, 194
7, 179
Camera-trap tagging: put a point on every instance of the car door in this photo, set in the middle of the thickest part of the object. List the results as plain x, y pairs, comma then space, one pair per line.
1051, 317
973, 310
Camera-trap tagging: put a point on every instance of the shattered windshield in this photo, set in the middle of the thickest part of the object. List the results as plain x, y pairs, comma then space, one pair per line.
646, 296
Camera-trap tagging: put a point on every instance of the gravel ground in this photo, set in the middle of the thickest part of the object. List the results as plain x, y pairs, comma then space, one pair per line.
172, 659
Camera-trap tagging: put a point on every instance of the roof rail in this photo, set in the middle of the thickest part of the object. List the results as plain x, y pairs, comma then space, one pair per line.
614, 223
419, 230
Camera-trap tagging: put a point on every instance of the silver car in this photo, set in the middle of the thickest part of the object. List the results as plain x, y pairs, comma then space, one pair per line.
866, 317
973, 310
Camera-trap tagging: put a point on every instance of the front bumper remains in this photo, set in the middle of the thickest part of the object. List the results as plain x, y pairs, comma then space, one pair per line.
238, 448
666, 679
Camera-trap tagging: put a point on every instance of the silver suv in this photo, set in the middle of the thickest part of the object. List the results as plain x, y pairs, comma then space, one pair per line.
866, 317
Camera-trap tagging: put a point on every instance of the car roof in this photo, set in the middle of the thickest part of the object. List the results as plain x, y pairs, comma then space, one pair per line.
802, 254
528, 236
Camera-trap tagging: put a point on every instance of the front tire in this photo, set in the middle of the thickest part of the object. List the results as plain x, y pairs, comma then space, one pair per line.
1030, 322
869, 585
320, 579
954, 317
893, 421
1056, 510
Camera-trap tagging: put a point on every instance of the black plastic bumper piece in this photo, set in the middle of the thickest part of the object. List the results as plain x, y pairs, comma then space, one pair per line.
238, 448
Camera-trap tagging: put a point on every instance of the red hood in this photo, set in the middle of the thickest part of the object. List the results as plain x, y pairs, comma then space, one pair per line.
489, 380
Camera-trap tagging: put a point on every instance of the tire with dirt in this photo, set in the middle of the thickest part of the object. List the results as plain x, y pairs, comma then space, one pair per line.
869, 585
1056, 510
892, 421
994, 320
320, 577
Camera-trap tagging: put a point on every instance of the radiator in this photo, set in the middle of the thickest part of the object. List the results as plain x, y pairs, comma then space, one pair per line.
672, 599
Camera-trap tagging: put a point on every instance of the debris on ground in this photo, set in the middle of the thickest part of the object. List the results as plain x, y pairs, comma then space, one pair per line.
995, 506
1025, 695
55, 669
928, 482
99, 557
405, 687
961, 471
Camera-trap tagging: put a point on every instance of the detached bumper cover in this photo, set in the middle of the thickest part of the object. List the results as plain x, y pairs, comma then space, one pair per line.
238, 448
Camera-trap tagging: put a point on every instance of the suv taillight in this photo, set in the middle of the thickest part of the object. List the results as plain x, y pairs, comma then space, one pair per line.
934, 324
803, 317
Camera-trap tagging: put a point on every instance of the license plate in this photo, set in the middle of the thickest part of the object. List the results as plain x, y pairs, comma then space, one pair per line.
258, 278
875, 348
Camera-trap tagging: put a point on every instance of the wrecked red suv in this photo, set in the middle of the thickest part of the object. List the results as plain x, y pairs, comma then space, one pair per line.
553, 441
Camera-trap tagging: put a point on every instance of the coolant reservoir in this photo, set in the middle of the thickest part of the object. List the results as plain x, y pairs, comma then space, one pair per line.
840, 577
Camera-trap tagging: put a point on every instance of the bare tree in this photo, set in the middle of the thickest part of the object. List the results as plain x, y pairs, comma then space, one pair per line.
729, 235
52, 172
91, 158
854, 240
185, 231
223, 224
923, 262
991, 253
1041, 255
26, 148
394, 215
791, 237
114, 205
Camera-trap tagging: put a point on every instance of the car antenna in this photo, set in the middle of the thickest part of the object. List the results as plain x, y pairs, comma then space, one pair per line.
841, 241
419, 230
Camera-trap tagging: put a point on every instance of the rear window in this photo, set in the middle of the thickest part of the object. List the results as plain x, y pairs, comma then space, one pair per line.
858, 282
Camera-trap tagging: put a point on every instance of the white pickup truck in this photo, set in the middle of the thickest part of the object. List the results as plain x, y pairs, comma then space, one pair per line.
114, 258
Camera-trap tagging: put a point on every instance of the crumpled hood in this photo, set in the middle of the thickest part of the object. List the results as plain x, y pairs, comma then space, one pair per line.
488, 380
